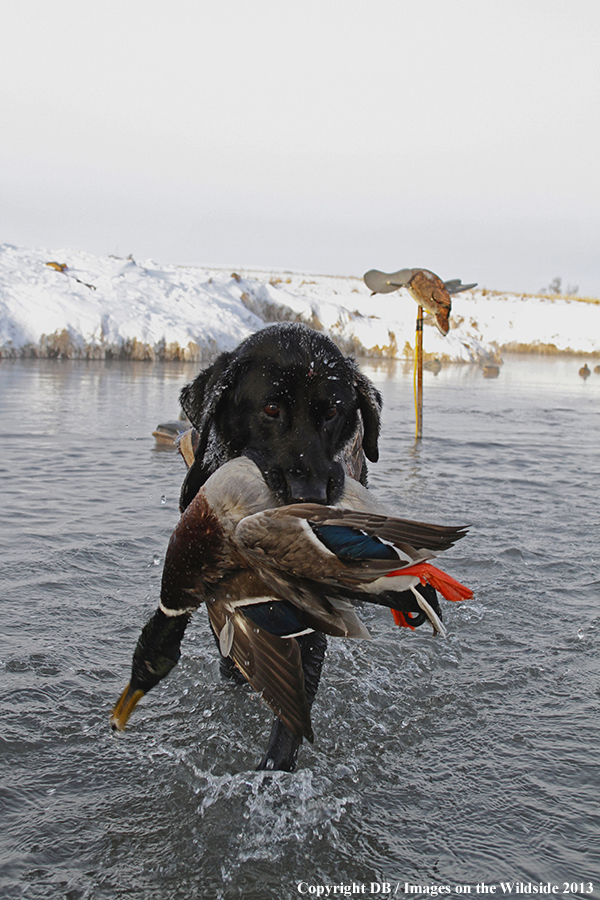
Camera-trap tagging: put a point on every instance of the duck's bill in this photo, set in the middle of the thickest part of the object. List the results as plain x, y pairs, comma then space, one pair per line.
125, 705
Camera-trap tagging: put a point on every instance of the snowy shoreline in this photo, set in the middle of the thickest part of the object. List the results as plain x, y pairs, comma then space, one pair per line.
74, 305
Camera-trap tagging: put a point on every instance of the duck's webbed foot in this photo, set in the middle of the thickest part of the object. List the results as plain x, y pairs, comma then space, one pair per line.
406, 603
282, 750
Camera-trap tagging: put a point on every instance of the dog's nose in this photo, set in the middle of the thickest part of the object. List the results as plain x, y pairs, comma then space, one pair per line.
306, 490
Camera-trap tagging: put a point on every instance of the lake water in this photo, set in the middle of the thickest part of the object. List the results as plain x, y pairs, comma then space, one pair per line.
455, 762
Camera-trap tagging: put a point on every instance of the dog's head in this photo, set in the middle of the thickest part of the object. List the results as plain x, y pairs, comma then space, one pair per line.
289, 400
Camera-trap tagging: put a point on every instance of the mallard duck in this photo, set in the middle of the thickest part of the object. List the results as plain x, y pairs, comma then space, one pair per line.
270, 575
424, 286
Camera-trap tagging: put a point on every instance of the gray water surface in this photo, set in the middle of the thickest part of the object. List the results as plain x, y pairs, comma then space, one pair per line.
456, 761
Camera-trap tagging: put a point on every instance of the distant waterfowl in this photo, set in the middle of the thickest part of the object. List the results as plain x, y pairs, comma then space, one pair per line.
490, 371
433, 365
424, 286
274, 576
597, 370
585, 371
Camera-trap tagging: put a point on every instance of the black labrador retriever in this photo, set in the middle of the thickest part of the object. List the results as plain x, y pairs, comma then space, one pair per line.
293, 403
288, 399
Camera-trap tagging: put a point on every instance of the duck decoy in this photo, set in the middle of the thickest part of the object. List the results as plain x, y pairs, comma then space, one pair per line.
424, 286
168, 433
271, 575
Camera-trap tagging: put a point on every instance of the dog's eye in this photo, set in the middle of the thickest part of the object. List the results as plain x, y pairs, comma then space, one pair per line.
272, 409
331, 413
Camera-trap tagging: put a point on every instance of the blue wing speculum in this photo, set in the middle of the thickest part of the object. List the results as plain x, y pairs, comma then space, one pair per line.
350, 543
279, 617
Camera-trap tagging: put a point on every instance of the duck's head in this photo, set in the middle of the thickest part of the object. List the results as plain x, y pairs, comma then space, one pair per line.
156, 653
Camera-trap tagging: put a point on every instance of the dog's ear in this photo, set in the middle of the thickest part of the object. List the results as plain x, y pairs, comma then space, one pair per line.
198, 397
196, 475
369, 403
199, 401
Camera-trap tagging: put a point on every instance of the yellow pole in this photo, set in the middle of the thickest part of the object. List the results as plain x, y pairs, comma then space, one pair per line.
418, 380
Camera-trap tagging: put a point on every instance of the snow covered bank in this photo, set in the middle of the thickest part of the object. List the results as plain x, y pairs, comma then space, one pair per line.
76, 305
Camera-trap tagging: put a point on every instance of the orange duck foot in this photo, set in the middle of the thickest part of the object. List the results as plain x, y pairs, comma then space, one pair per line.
449, 587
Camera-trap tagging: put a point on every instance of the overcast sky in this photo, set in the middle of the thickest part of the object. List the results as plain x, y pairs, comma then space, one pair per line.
326, 136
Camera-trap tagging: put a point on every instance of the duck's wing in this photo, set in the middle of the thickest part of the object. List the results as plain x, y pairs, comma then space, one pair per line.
396, 531
272, 665
286, 606
455, 286
386, 282
293, 605
339, 546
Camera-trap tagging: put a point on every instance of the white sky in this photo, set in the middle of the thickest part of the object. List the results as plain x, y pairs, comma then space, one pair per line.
327, 136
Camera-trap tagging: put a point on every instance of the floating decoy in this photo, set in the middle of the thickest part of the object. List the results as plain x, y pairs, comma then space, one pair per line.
424, 286
270, 575
167, 433
585, 371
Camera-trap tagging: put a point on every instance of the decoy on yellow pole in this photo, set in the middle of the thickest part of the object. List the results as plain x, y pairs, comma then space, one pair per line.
431, 294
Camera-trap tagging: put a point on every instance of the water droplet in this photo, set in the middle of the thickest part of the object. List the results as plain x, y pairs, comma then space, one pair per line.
163, 500
156, 560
